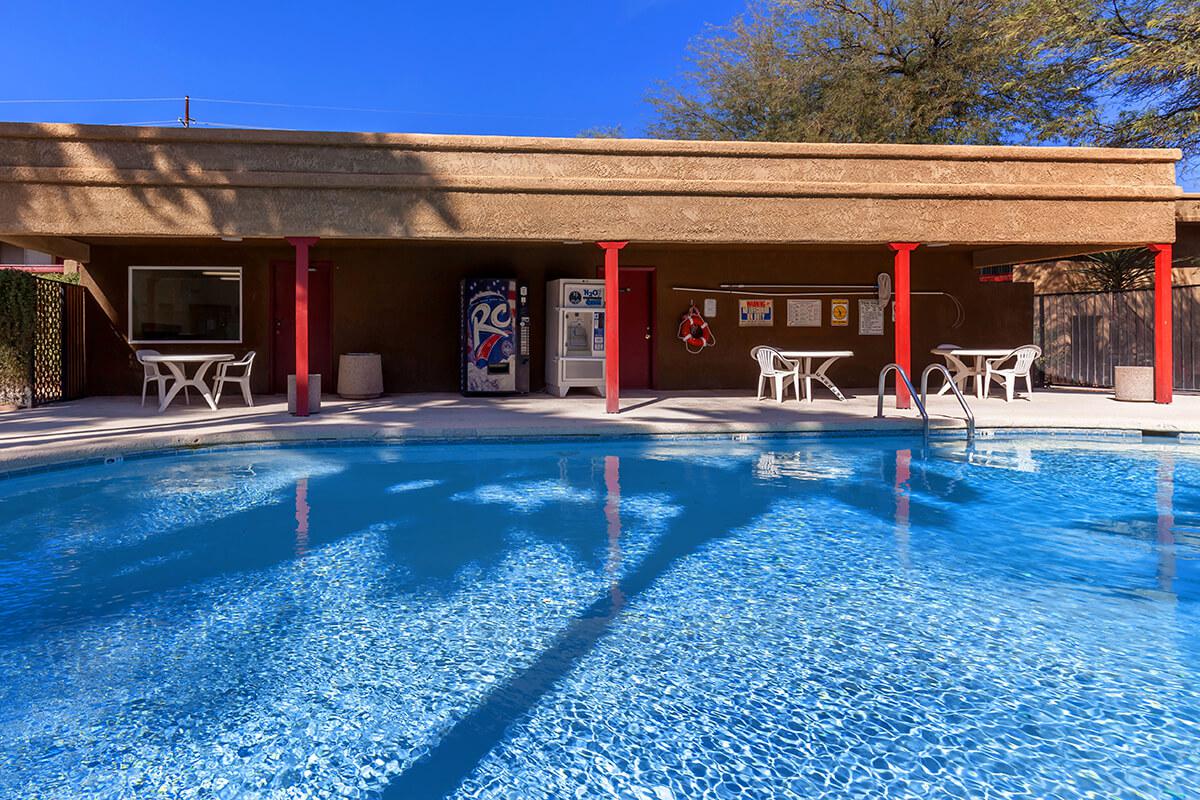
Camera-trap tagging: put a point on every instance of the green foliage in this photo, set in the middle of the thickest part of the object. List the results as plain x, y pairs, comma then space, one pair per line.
17, 309
924, 71
603, 132
1117, 270
1141, 56
1121, 270
61, 277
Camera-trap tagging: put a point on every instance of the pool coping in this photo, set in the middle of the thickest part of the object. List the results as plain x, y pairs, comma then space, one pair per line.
120, 451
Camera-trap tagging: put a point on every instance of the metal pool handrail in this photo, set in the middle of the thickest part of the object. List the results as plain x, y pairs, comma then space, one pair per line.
962, 401
911, 391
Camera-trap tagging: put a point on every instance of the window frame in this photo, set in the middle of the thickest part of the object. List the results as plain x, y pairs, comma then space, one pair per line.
241, 333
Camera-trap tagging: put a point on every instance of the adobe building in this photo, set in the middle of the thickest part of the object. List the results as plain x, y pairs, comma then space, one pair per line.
365, 237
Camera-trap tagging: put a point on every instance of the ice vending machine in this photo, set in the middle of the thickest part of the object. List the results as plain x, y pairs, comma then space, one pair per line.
495, 336
574, 335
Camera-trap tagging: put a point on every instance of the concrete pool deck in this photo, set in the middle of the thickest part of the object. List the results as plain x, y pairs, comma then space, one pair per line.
101, 427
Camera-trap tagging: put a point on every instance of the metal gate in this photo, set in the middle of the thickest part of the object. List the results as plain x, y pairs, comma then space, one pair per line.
1083, 335
59, 357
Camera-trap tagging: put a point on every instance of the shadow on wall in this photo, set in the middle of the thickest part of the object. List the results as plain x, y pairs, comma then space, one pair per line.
162, 204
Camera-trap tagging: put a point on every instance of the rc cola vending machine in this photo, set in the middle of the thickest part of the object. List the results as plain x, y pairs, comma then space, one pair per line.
495, 336
574, 335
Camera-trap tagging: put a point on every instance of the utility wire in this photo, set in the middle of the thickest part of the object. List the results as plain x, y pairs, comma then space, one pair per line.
298, 106
97, 100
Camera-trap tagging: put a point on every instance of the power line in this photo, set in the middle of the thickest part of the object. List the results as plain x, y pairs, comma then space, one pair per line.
369, 110
96, 100
295, 106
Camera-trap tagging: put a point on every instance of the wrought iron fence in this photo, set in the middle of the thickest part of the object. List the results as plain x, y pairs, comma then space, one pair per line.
1083, 335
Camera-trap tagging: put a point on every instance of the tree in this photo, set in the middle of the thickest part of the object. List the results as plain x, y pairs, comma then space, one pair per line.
927, 71
1117, 270
1121, 270
1143, 58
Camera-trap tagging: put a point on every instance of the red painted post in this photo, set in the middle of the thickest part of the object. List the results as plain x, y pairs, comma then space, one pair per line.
302, 243
1164, 362
900, 290
612, 316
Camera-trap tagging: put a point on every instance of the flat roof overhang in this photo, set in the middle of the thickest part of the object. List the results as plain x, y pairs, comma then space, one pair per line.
1005, 203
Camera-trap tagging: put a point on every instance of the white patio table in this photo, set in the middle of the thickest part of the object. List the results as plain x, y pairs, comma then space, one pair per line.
177, 366
955, 359
808, 374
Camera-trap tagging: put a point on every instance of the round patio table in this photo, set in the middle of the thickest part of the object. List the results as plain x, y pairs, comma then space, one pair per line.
177, 366
962, 372
808, 374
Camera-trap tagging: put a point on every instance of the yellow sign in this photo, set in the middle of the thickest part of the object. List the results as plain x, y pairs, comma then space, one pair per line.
839, 313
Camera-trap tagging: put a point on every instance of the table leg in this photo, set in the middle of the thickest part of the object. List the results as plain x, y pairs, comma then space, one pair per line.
808, 394
978, 375
201, 386
824, 379
179, 384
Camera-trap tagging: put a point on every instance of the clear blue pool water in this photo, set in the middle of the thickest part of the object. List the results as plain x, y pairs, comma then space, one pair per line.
802, 618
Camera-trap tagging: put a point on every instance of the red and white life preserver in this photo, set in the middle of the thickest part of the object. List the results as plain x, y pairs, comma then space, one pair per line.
694, 331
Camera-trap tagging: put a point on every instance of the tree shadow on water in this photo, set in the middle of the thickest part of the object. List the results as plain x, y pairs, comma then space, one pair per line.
734, 498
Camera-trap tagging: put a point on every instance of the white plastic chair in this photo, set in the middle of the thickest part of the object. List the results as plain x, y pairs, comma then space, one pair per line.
151, 372
223, 377
1022, 358
773, 366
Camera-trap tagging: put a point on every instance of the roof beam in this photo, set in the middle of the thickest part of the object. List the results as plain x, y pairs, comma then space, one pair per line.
59, 246
1027, 254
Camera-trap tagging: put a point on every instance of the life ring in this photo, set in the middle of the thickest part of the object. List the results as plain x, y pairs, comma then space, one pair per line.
694, 331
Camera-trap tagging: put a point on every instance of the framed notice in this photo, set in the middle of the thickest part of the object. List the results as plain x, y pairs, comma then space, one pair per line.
870, 318
839, 313
804, 313
756, 313
710, 306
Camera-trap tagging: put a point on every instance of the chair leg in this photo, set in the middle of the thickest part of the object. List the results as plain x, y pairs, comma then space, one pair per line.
144, 382
246, 393
1010, 383
1029, 384
761, 379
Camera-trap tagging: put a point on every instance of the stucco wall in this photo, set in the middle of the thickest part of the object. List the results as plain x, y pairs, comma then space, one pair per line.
92, 181
401, 300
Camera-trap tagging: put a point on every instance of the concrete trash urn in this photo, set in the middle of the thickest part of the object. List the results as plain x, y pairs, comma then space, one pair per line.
314, 394
360, 376
1135, 384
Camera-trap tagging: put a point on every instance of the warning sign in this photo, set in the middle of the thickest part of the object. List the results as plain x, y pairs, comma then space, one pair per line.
839, 313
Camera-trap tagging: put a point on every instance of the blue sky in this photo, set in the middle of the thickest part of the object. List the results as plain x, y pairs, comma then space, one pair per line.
457, 66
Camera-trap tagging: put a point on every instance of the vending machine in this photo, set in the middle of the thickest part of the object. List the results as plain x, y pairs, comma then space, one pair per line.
574, 335
495, 336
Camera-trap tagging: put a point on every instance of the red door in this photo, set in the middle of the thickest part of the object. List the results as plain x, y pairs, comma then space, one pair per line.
637, 328
283, 323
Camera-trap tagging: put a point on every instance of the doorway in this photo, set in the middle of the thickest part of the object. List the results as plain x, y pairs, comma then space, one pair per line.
637, 327
283, 323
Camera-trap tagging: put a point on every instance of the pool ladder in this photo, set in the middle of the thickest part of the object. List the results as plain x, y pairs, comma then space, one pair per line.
920, 401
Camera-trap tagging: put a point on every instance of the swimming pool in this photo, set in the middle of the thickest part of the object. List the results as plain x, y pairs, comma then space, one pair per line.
795, 617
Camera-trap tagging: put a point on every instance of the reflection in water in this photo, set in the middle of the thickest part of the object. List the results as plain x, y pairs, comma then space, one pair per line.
301, 516
612, 515
901, 489
1166, 522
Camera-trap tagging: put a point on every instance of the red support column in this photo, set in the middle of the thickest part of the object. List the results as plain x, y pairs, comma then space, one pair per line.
1164, 362
612, 316
900, 290
302, 243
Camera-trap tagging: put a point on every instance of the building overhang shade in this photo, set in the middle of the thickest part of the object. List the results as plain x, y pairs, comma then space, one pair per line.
87, 181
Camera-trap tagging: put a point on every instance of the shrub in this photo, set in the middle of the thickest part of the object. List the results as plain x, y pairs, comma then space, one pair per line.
18, 304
